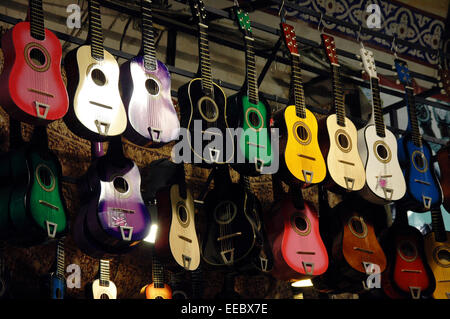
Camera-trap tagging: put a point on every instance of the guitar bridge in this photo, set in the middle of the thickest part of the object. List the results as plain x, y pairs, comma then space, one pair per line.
155, 133
40, 105
102, 125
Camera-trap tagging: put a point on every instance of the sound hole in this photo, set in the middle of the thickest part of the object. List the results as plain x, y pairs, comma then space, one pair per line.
104, 296
45, 176
419, 160
357, 226
302, 133
152, 87
408, 250
254, 119
37, 57
300, 223
382, 151
159, 297
225, 212
208, 109
120, 184
98, 77
343, 141
443, 255
182, 214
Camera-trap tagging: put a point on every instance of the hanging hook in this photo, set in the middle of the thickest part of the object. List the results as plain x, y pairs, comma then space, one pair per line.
358, 37
282, 12
320, 22
394, 46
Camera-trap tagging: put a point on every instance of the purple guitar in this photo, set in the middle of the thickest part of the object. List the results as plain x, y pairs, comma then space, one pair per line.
116, 214
145, 82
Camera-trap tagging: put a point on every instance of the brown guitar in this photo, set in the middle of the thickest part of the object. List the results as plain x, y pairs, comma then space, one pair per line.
158, 289
443, 158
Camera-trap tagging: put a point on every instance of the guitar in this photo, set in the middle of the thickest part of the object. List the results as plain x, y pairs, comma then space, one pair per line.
176, 224
228, 291
116, 216
103, 287
301, 159
145, 87
158, 289
203, 105
293, 231
423, 190
407, 274
250, 112
355, 248
229, 236
4, 274
378, 148
338, 135
443, 158
444, 77
31, 85
96, 111
437, 251
57, 279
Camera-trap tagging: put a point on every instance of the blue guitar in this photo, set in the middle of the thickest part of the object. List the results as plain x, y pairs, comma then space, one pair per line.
57, 280
414, 154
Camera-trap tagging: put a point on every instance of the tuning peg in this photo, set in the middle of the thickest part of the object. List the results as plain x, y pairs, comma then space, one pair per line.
397, 82
358, 57
363, 72
443, 91
393, 67
441, 85
361, 64
438, 78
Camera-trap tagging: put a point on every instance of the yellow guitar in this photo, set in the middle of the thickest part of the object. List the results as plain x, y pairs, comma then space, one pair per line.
302, 159
437, 250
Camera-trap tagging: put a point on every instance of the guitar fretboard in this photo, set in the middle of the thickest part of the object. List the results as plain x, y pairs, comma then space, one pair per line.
37, 19
250, 62
148, 37
104, 272
377, 111
299, 94
157, 273
413, 123
338, 94
205, 63
95, 30
437, 225
60, 259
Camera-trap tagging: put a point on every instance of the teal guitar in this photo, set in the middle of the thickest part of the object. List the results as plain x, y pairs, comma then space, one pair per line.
253, 112
415, 155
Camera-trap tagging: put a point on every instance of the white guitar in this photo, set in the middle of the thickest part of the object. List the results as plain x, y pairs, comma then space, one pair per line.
103, 288
378, 148
96, 109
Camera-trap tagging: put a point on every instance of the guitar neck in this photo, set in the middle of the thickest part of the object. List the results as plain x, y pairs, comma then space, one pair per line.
60, 259
299, 94
37, 19
437, 225
205, 63
250, 62
376, 107
104, 272
148, 36
338, 94
95, 30
413, 124
157, 274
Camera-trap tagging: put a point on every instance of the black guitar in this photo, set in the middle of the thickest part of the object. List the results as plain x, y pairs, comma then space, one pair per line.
203, 105
4, 275
229, 235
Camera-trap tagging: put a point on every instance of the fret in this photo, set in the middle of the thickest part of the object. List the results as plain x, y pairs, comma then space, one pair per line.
376, 107
95, 30
299, 94
250, 62
104, 272
148, 37
413, 123
60, 262
37, 29
205, 67
437, 225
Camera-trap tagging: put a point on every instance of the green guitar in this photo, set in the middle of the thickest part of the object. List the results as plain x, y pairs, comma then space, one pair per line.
254, 142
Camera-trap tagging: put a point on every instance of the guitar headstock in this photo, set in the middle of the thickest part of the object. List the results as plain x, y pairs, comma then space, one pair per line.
403, 72
330, 48
368, 62
198, 10
445, 81
243, 22
289, 38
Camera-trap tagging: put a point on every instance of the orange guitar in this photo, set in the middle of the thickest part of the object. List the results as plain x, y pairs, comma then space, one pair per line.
157, 289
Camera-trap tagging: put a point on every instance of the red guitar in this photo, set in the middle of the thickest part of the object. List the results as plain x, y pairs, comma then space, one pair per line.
293, 231
408, 274
31, 85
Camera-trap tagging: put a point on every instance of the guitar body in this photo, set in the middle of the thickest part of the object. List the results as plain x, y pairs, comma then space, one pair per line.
31, 86
302, 159
229, 235
152, 292
210, 113
45, 195
409, 274
423, 189
384, 177
443, 157
437, 258
339, 147
96, 110
297, 246
104, 292
57, 287
152, 119
253, 144
117, 215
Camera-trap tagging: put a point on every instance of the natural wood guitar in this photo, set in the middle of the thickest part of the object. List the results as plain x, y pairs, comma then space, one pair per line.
103, 287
